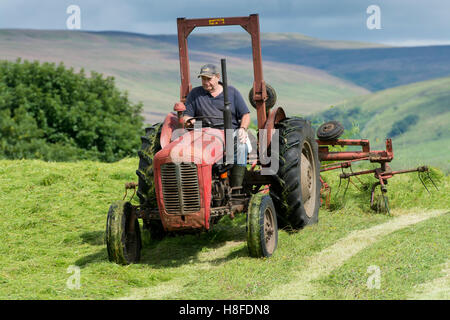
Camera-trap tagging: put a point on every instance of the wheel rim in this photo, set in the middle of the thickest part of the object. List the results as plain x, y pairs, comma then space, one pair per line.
269, 230
308, 179
328, 127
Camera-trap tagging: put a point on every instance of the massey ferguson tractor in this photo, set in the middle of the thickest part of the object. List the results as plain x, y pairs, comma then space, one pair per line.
184, 175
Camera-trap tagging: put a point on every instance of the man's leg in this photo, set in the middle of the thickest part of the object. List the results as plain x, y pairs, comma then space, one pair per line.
240, 163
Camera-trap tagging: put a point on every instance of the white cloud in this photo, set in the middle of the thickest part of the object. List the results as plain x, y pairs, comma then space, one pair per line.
416, 43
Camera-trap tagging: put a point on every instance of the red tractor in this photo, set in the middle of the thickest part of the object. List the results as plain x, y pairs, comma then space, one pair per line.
192, 192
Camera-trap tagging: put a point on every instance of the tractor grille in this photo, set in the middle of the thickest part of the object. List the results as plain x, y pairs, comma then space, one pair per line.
180, 188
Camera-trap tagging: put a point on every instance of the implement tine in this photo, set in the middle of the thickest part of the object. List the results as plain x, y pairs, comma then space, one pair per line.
372, 195
340, 180
327, 199
418, 173
339, 186
356, 178
386, 204
429, 177
346, 188
354, 183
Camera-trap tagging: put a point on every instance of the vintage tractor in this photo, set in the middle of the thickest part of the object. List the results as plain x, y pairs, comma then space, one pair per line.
184, 176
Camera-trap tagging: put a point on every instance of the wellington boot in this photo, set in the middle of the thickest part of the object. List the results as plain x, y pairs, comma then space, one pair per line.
237, 175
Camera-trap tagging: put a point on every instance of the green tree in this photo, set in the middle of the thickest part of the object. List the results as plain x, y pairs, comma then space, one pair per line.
50, 112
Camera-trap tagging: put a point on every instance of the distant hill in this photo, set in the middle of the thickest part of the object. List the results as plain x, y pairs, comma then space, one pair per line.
308, 74
415, 116
374, 67
148, 67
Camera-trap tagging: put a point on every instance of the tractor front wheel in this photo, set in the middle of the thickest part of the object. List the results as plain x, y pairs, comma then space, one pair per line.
262, 228
123, 235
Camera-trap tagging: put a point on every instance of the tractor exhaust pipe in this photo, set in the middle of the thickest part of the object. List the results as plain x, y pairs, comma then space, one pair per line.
226, 110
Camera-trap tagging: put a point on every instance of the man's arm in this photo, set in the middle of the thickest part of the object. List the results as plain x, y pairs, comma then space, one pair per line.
243, 113
190, 107
245, 121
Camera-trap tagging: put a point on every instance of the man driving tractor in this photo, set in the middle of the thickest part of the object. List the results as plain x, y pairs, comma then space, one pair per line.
208, 100
193, 194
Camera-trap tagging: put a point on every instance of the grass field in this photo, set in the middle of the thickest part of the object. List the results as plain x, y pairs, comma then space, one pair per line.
53, 216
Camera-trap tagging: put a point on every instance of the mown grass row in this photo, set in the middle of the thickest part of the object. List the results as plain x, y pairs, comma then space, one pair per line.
53, 216
402, 260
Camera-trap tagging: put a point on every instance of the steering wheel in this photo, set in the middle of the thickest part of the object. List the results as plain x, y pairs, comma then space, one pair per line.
190, 124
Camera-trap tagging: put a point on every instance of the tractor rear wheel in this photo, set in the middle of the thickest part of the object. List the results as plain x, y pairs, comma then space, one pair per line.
296, 190
123, 234
262, 228
146, 187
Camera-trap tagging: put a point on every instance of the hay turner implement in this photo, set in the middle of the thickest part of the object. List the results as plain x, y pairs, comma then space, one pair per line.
328, 134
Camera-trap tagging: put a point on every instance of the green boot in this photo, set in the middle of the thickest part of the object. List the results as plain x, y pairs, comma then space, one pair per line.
237, 175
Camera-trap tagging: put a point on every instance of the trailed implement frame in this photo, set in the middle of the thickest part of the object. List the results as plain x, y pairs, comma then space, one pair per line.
345, 159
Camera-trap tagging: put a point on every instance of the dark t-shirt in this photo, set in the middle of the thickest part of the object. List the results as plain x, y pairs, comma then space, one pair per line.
200, 102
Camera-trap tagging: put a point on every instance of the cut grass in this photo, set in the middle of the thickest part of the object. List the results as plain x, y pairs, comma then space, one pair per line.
53, 216
436, 289
235, 275
302, 284
406, 258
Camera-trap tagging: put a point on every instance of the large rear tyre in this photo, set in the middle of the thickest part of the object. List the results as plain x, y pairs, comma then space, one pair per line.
123, 235
296, 190
146, 187
262, 228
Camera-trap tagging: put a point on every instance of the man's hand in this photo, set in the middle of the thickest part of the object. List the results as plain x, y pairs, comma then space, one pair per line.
189, 124
242, 135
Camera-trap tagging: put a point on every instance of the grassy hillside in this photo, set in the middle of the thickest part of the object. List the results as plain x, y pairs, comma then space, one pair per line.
53, 216
148, 68
415, 116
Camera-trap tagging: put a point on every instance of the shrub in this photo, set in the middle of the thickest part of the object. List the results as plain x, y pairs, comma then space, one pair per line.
49, 112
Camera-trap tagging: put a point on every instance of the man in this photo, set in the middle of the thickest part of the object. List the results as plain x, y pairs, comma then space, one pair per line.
208, 100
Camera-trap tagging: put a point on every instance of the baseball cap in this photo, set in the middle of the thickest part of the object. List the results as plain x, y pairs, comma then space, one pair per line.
208, 70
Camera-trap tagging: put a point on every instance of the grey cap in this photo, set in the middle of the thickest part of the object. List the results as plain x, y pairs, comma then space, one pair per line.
208, 70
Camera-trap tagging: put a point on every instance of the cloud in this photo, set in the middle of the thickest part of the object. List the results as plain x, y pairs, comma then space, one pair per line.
401, 20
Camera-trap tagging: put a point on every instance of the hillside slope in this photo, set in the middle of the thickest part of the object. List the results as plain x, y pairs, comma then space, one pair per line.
148, 68
374, 67
415, 116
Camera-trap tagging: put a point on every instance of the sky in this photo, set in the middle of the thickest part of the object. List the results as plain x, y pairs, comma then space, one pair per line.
399, 22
